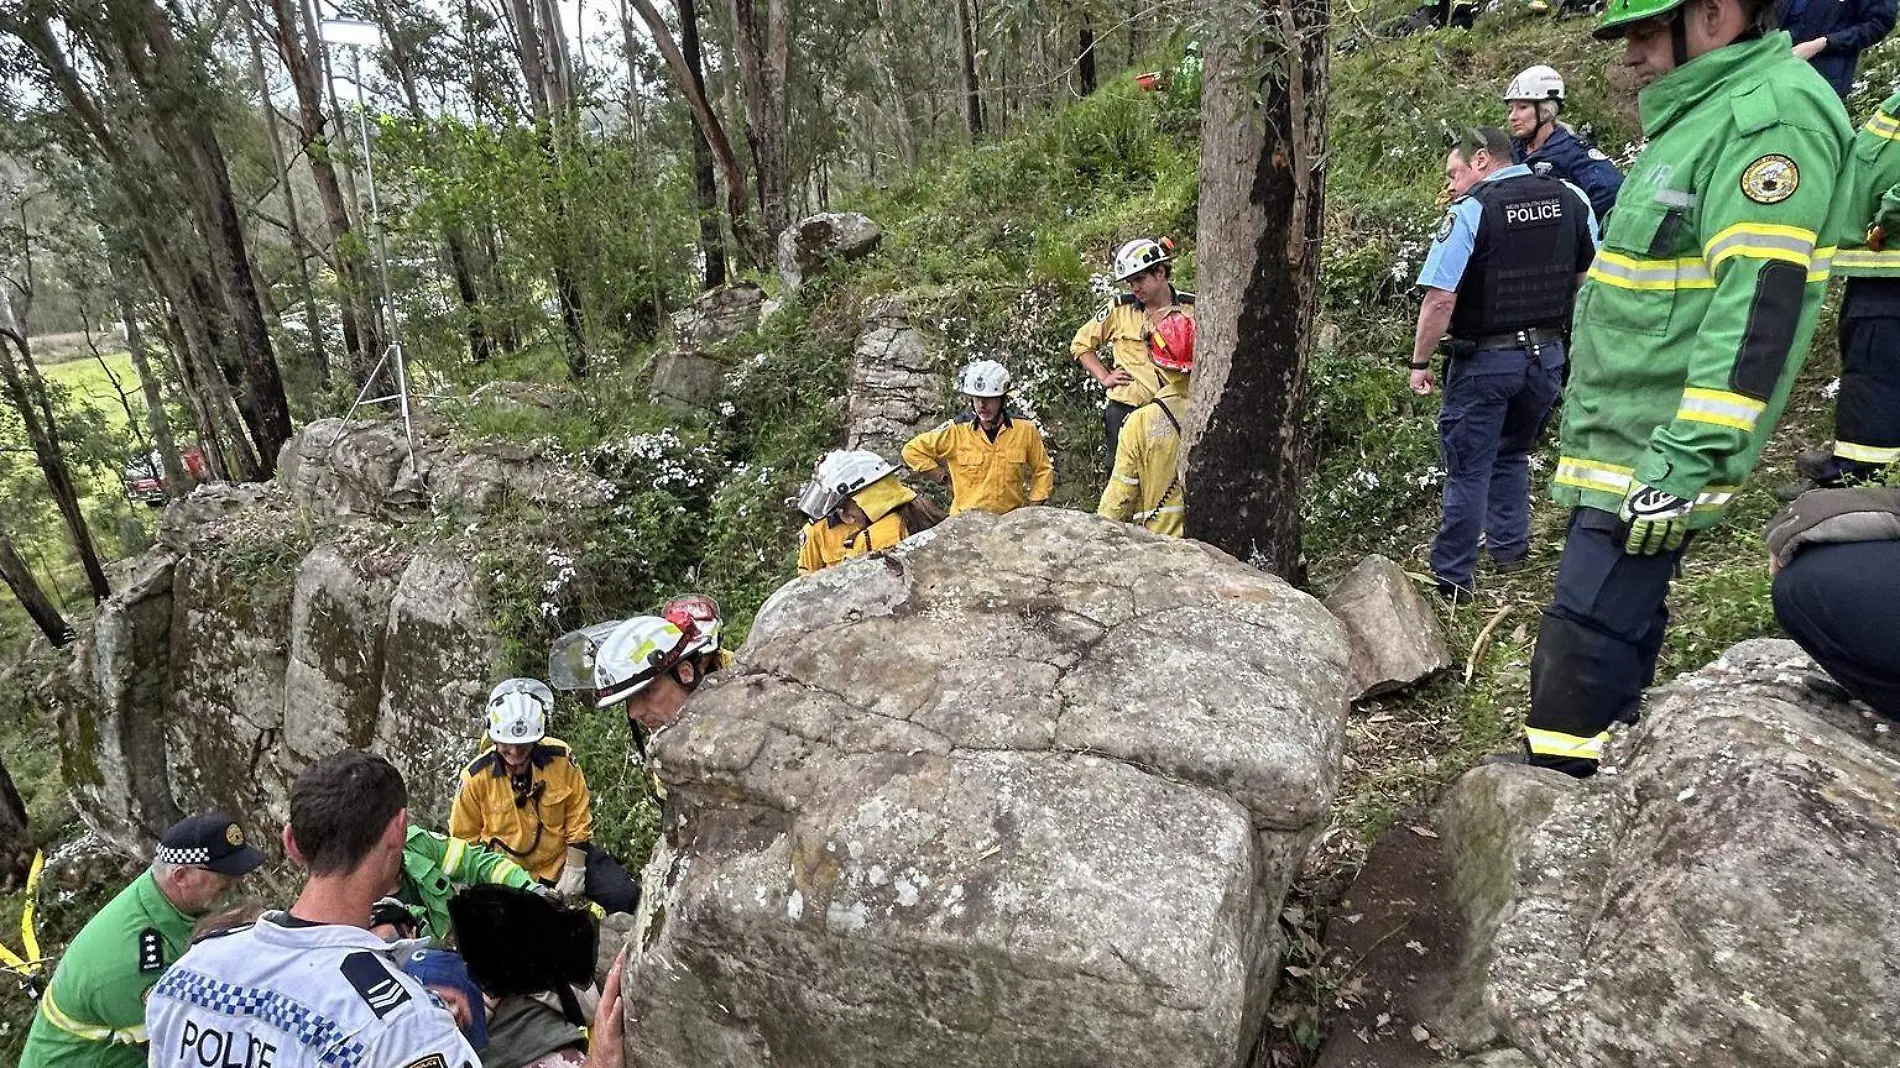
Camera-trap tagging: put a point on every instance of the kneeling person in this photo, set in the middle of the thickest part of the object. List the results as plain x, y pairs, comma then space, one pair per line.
526, 797
996, 463
1146, 484
312, 987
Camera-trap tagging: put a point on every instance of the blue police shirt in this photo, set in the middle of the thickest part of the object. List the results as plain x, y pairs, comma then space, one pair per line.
1458, 234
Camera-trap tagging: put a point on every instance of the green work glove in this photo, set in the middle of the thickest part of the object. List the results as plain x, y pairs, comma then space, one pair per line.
1659, 521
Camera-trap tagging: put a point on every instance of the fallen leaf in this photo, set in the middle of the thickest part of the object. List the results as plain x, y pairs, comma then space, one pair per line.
1416, 946
1424, 832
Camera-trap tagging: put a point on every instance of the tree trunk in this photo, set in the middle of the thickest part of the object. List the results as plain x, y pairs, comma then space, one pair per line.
1134, 33
972, 96
19, 578
28, 394
762, 74
712, 244
313, 323
177, 479
1085, 57
885, 58
16, 839
1263, 151
738, 206
301, 50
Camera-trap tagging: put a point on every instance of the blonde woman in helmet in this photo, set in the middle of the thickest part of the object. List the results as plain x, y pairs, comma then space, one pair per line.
524, 796
1121, 326
994, 461
874, 511
1534, 99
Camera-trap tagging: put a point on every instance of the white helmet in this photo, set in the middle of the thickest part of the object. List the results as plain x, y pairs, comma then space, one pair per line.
518, 711
1138, 255
847, 471
1535, 83
638, 651
984, 378
816, 499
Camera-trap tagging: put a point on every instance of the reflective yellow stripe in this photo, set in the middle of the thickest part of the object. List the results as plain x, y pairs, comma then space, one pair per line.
1720, 408
1628, 272
1823, 263
1765, 241
1866, 257
1883, 125
507, 868
1126, 481
452, 857
1559, 744
1867, 454
1615, 478
129, 1036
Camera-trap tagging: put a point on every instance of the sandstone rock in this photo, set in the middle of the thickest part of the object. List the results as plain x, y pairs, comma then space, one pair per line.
688, 379
718, 316
199, 514
436, 657
111, 705
894, 392
616, 930
803, 248
1024, 790
1727, 898
339, 609
1396, 640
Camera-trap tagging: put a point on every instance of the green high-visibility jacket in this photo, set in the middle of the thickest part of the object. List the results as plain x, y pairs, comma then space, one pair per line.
1869, 193
93, 1014
433, 865
1700, 305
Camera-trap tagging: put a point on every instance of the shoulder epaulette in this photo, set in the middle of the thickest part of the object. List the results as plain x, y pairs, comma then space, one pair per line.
488, 759
372, 980
1182, 296
1754, 107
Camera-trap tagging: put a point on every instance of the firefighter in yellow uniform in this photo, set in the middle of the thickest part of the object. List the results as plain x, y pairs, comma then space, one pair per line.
1122, 327
1146, 484
997, 463
826, 539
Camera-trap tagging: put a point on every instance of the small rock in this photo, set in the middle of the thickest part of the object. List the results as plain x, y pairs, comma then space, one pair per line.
1396, 640
803, 249
687, 379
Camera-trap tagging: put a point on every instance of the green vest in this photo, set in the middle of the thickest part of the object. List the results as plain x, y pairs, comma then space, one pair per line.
1702, 300
432, 866
93, 1014
1869, 193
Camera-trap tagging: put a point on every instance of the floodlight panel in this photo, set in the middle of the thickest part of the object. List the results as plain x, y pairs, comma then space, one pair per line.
351, 32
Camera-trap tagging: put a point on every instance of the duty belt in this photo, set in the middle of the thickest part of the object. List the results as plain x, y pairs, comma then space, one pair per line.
1526, 339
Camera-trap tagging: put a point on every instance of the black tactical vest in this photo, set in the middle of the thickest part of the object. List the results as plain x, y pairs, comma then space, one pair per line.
1523, 267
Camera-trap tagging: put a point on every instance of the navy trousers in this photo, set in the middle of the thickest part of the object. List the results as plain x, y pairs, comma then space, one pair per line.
1867, 413
1598, 642
1496, 404
1842, 604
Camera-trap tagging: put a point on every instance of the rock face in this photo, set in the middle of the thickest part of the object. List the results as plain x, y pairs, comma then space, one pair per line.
275, 624
1026, 790
895, 393
803, 249
1725, 898
688, 374
1396, 640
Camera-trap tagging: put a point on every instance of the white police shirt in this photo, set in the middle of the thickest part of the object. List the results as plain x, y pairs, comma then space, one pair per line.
278, 994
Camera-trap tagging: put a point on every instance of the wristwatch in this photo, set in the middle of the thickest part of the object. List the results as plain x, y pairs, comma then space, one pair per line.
1417, 366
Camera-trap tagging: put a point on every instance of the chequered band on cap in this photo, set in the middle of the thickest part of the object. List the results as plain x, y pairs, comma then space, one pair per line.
193, 855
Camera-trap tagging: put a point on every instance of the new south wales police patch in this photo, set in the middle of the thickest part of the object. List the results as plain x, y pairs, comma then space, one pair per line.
1444, 228
1771, 179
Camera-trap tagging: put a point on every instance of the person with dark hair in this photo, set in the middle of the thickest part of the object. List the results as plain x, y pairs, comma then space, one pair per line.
1122, 325
1689, 333
93, 1012
312, 986
1500, 279
1831, 34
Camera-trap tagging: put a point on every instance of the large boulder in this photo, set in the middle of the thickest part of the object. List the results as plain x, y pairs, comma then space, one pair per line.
1722, 895
719, 315
1026, 790
1396, 640
895, 391
803, 248
276, 624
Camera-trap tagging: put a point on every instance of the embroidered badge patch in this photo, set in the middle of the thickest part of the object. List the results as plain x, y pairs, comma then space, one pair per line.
1771, 179
1444, 228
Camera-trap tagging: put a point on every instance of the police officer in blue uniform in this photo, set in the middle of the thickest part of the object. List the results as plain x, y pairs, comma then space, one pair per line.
1540, 142
1831, 34
1500, 279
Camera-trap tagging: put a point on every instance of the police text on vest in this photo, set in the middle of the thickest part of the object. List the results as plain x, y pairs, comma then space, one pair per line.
212, 1048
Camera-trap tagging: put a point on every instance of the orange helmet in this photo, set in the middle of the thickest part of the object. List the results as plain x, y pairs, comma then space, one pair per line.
1171, 342
695, 612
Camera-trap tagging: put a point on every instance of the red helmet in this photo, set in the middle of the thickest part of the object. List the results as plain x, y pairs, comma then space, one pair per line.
695, 613
1171, 342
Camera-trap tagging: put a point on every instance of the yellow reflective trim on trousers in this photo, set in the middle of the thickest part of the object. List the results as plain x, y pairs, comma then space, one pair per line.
1629, 272
1720, 408
452, 857
130, 1036
1866, 454
1559, 744
1765, 241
